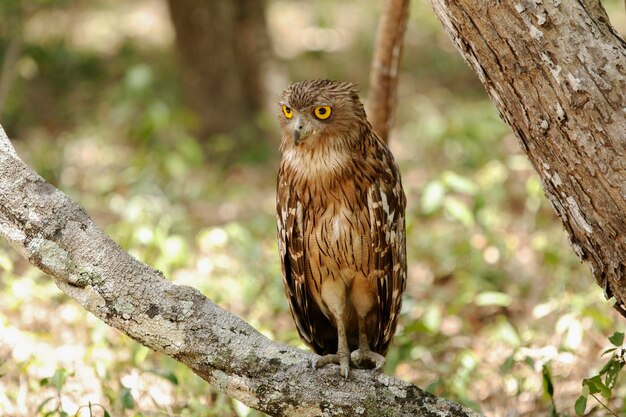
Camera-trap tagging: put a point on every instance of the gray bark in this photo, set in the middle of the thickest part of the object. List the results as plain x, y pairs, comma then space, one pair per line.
58, 237
556, 71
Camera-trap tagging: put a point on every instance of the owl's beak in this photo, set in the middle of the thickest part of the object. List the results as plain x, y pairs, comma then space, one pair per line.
301, 131
297, 136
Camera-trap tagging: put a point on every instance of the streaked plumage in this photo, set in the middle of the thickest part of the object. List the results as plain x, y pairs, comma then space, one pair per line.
340, 215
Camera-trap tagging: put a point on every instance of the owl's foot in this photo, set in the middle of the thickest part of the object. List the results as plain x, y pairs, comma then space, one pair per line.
342, 359
365, 358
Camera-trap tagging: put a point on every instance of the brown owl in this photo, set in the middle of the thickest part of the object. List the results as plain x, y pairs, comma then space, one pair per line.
341, 234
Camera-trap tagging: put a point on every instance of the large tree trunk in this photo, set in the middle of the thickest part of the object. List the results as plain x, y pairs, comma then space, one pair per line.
56, 235
556, 71
221, 45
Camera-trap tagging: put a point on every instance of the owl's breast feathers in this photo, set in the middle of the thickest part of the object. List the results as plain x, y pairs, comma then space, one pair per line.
341, 215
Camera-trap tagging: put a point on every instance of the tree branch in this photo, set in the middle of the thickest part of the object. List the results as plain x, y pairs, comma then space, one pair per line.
556, 71
385, 66
58, 237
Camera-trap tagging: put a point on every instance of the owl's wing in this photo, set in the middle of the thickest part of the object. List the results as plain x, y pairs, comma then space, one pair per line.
313, 326
386, 203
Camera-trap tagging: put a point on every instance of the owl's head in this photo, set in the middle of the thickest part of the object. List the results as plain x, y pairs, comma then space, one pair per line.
317, 111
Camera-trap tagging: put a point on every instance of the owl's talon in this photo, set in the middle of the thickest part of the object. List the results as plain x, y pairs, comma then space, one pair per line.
341, 359
365, 358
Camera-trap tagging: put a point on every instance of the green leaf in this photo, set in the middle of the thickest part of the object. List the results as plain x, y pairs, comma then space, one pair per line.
609, 351
5, 263
458, 183
493, 298
597, 386
432, 319
139, 77
434, 386
106, 413
43, 403
606, 366
553, 412
581, 405
617, 339
58, 379
126, 397
573, 331
164, 373
507, 365
458, 210
612, 373
585, 391
548, 387
591, 386
432, 197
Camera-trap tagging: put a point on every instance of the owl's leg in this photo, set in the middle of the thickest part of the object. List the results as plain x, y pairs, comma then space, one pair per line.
363, 299
342, 357
364, 357
333, 295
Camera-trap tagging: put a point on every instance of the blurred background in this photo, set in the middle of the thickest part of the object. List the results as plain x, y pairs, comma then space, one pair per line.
160, 120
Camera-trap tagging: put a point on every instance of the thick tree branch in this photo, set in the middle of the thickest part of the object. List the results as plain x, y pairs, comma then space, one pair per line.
556, 71
56, 235
385, 66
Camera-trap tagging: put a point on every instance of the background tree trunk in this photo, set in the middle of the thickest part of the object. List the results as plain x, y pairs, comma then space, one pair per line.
386, 66
556, 71
14, 33
221, 45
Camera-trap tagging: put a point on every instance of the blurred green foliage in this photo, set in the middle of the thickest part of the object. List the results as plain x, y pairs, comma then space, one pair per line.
498, 308
606, 379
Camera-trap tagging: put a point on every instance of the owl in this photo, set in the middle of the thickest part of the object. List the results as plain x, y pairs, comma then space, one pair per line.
340, 215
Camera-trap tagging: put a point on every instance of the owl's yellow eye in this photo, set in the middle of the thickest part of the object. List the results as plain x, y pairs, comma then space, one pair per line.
287, 112
322, 112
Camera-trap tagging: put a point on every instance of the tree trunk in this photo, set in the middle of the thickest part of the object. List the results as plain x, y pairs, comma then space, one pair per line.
386, 65
56, 235
221, 45
556, 71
